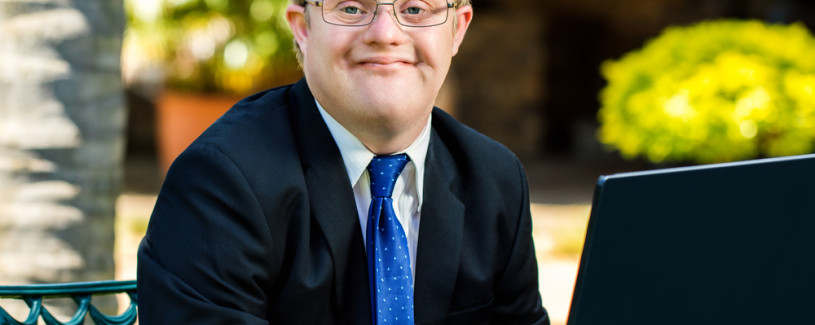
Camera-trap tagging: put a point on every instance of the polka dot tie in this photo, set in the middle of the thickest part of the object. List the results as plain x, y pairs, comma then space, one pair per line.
389, 273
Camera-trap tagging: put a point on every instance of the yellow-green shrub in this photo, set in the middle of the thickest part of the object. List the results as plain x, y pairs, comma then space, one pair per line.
716, 91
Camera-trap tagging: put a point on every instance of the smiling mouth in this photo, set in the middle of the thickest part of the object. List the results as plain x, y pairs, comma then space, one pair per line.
385, 66
385, 63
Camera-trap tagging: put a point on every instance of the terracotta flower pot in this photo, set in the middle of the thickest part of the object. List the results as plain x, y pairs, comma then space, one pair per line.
182, 117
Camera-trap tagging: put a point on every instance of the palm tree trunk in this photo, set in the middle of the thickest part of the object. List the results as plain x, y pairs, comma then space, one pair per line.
62, 120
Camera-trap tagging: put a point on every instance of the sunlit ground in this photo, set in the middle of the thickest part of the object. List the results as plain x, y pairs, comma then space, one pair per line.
558, 232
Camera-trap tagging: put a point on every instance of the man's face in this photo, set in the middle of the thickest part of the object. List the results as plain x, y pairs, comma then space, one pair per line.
380, 73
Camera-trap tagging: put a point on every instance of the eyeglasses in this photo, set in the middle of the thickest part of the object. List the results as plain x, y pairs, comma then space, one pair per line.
411, 13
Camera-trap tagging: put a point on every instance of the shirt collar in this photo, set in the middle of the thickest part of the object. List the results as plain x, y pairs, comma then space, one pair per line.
357, 157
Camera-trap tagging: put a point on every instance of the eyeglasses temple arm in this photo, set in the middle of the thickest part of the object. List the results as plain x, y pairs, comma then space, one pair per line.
315, 3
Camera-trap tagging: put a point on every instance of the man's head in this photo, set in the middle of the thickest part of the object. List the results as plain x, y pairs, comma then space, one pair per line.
379, 79
303, 3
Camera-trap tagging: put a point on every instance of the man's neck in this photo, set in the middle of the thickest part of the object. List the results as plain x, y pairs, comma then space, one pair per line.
386, 136
381, 144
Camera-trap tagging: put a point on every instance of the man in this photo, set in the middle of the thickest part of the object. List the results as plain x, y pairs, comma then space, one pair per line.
272, 216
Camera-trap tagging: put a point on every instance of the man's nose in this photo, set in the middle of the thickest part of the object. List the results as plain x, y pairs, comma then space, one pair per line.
382, 9
385, 27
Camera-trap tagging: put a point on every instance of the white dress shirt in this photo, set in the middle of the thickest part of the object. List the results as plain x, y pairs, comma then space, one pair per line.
407, 193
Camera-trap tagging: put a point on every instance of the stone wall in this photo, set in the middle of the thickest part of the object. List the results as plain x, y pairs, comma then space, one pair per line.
498, 75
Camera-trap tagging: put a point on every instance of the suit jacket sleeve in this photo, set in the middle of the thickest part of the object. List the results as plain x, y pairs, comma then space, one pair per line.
517, 297
208, 214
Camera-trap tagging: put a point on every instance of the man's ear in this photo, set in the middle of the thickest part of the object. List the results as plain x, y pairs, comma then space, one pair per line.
296, 16
464, 16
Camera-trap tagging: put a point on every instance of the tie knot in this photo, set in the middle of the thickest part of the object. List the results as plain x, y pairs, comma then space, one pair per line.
383, 171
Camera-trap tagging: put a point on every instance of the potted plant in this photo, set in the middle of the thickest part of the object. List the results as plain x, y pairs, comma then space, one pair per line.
716, 91
207, 54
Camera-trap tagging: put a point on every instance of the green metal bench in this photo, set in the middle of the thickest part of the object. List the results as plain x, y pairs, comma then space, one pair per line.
80, 292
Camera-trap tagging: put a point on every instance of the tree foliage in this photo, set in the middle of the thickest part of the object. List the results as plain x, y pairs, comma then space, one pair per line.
212, 45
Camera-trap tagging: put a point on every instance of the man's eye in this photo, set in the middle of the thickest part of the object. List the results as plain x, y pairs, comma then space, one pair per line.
413, 10
350, 10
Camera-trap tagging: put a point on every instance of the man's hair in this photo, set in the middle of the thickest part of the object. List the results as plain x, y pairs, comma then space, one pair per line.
299, 54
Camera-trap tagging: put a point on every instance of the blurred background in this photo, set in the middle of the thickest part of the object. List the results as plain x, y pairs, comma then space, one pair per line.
98, 96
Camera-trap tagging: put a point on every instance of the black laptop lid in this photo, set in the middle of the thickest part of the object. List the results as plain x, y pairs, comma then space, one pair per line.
716, 244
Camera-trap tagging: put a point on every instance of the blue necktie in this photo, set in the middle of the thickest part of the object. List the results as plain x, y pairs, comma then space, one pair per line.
389, 276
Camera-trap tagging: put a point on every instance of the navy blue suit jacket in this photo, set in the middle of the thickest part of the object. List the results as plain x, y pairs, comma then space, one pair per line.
256, 224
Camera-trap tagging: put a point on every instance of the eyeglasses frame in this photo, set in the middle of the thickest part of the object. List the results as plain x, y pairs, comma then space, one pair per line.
319, 3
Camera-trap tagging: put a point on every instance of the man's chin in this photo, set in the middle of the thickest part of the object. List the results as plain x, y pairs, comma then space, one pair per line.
395, 104
396, 76
386, 85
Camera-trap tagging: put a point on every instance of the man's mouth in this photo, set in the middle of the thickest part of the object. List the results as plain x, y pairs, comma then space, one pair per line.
385, 61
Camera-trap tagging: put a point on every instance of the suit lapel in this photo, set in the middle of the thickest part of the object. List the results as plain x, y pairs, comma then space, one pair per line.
332, 206
440, 235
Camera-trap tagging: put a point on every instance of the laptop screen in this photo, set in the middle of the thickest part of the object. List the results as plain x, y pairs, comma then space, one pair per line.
716, 244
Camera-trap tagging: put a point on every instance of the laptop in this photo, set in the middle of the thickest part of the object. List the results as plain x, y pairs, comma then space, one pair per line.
716, 244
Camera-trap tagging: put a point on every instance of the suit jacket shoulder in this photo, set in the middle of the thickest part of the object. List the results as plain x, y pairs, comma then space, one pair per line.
479, 160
